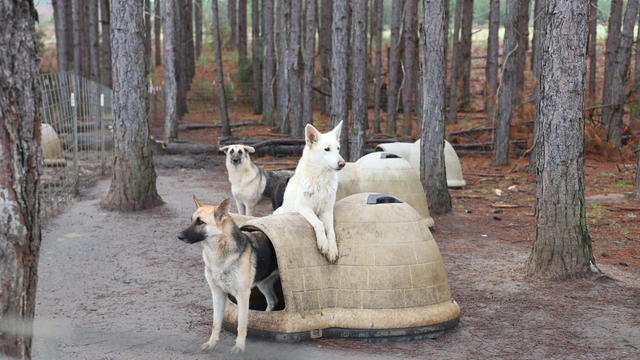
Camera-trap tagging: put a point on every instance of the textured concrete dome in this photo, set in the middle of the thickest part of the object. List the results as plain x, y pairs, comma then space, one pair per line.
387, 174
411, 152
389, 280
51, 146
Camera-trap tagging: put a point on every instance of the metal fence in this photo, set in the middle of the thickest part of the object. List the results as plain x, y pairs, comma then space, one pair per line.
77, 141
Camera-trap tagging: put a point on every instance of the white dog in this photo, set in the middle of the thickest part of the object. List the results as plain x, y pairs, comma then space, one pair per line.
250, 183
312, 188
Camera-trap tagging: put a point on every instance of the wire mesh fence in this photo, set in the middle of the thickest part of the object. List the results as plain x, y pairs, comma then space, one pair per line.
77, 141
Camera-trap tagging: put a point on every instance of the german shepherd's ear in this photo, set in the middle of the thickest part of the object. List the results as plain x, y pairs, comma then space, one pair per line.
249, 149
222, 210
224, 149
311, 134
337, 130
198, 203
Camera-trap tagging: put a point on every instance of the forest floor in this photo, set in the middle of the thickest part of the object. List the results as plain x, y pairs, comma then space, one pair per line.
121, 286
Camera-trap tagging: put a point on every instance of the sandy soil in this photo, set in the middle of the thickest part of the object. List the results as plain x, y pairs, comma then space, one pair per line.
120, 286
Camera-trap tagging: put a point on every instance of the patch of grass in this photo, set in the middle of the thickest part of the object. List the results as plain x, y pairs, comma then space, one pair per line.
596, 212
622, 184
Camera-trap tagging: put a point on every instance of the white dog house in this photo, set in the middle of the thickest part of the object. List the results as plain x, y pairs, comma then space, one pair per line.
389, 281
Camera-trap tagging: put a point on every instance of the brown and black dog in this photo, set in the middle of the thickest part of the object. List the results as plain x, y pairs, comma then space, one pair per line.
235, 262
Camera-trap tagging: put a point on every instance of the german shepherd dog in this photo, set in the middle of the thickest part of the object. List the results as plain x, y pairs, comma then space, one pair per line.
250, 183
235, 262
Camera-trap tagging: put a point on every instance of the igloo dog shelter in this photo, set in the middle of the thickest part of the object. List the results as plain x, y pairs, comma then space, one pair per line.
387, 174
411, 152
51, 146
389, 281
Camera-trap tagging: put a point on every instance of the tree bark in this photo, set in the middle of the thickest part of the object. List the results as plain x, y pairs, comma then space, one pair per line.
20, 119
592, 47
465, 53
85, 44
197, 17
393, 65
77, 30
133, 184
282, 37
157, 30
520, 56
169, 68
508, 86
187, 33
409, 57
637, 182
267, 77
217, 49
378, 10
339, 44
94, 41
59, 19
105, 20
538, 38
324, 39
634, 123
432, 168
309, 63
359, 81
147, 34
455, 56
232, 21
613, 115
256, 58
242, 31
491, 67
295, 69
613, 40
562, 246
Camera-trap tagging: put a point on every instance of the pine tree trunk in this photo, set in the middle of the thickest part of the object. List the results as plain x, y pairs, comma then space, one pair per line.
169, 83
339, 44
232, 21
85, 44
105, 20
157, 29
613, 115
77, 30
538, 39
432, 168
613, 40
267, 77
592, 47
68, 30
637, 182
465, 53
189, 50
133, 184
310, 27
256, 58
455, 57
359, 80
409, 56
378, 10
242, 31
324, 39
562, 246
491, 67
217, 49
394, 64
197, 15
282, 30
520, 56
295, 69
61, 36
634, 117
19, 183
147, 34
508, 86
94, 41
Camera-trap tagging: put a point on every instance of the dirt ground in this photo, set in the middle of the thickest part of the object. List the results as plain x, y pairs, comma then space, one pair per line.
120, 286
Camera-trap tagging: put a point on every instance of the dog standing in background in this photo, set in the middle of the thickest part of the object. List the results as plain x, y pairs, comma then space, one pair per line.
250, 183
235, 262
311, 191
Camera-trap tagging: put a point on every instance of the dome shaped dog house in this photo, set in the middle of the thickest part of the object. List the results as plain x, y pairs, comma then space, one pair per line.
389, 281
51, 146
387, 174
411, 152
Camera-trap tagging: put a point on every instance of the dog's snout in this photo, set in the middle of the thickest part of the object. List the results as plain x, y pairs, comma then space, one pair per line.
341, 164
182, 236
235, 161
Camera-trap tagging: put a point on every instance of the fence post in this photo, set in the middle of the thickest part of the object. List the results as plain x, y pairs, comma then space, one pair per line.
101, 130
74, 129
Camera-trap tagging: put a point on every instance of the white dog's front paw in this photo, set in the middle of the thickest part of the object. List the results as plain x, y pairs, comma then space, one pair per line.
332, 254
209, 345
237, 349
323, 243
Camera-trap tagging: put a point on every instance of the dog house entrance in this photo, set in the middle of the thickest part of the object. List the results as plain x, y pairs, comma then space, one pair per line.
257, 301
